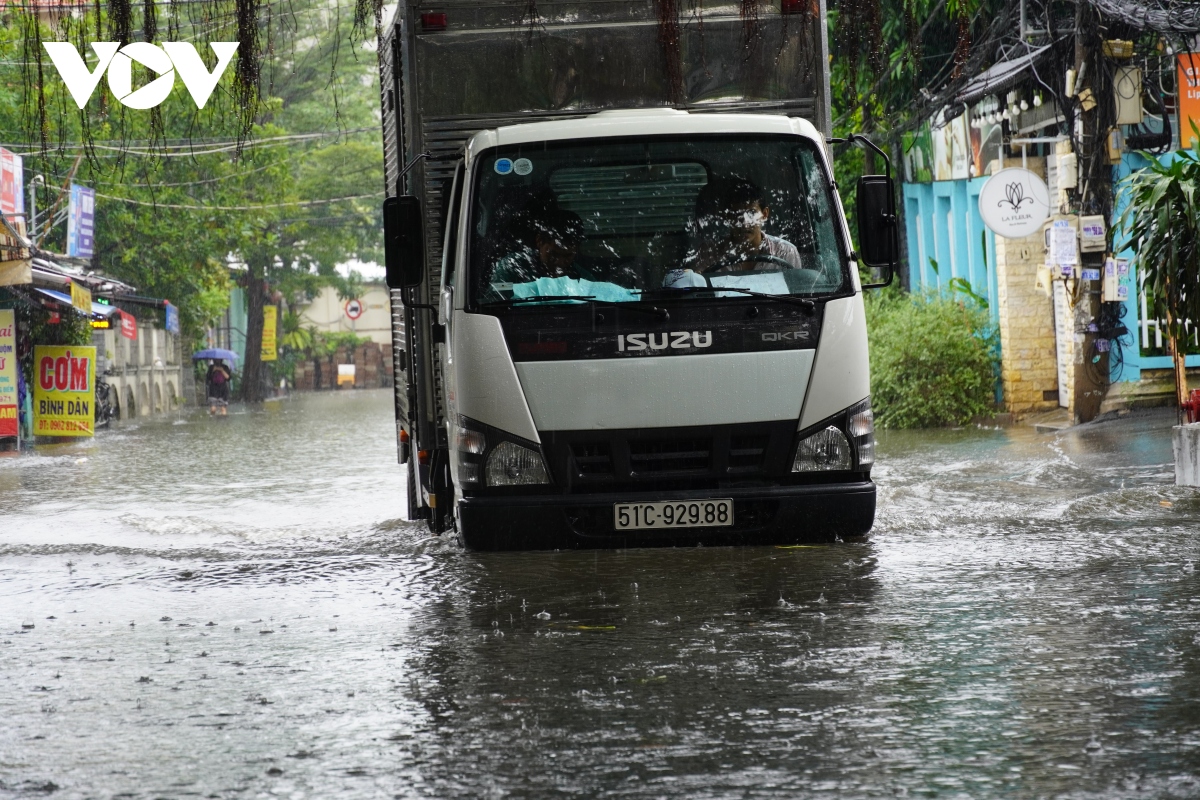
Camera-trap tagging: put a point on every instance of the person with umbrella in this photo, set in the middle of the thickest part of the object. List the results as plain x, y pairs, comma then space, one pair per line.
217, 382
218, 378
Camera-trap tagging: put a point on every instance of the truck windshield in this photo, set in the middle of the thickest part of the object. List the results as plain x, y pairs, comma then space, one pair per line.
623, 220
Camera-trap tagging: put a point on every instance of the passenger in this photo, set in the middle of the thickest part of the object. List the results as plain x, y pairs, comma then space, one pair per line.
730, 215
548, 247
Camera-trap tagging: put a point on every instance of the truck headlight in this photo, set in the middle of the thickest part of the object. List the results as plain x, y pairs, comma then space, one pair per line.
471, 445
862, 432
511, 464
824, 451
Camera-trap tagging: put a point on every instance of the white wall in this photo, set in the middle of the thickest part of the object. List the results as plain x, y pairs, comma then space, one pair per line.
328, 313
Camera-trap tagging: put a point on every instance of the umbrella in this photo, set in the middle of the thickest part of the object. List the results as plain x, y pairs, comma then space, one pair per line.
214, 352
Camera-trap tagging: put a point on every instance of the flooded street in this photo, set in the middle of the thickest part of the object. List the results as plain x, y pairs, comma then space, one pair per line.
235, 608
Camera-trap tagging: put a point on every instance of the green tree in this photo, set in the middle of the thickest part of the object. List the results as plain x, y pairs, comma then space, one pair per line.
178, 213
1162, 223
887, 55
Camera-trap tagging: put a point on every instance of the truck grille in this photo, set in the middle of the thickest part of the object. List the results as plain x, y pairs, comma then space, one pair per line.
670, 455
746, 453
592, 458
607, 458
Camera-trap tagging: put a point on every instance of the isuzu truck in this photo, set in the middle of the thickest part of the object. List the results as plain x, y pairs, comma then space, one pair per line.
627, 307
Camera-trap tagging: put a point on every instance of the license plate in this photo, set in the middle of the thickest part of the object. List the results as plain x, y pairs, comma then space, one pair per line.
677, 514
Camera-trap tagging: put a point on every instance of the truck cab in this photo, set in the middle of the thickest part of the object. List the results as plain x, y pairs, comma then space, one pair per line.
645, 327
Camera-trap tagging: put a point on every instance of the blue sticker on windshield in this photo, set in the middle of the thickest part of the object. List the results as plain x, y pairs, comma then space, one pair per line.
503, 166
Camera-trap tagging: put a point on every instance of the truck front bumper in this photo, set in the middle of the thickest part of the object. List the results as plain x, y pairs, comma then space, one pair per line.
762, 515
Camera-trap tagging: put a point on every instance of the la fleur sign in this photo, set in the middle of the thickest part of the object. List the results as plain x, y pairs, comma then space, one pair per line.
1014, 203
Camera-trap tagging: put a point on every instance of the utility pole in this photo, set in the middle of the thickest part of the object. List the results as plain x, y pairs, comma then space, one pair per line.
1096, 116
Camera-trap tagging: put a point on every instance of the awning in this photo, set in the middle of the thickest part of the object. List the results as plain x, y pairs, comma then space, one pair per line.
1000, 77
98, 309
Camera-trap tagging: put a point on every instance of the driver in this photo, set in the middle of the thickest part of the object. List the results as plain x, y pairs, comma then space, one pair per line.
549, 247
730, 215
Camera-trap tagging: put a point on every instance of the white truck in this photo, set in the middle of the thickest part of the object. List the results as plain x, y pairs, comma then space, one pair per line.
627, 309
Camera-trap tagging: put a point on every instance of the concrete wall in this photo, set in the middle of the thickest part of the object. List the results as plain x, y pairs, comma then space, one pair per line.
146, 374
942, 224
328, 313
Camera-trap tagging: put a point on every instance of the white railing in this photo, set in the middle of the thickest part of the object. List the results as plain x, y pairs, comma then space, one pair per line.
1146, 324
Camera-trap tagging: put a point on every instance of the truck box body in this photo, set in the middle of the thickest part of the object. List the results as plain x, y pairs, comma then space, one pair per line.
718, 417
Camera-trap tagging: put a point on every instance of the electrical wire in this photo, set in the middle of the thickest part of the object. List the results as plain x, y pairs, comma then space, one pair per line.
294, 204
185, 149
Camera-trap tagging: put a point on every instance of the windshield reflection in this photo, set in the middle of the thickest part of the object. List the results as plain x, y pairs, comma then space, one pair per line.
611, 219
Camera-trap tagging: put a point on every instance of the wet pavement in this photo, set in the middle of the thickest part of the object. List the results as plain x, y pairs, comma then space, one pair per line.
196, 607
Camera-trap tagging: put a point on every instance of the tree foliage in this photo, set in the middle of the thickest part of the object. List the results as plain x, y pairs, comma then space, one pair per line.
187, 203
886, 56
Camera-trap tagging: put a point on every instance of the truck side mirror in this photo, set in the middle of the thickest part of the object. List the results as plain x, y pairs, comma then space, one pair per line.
403, 242
878, 231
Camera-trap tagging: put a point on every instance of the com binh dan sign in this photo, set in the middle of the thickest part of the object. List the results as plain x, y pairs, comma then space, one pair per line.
165, 61
8, 373
64, 391
1014, 203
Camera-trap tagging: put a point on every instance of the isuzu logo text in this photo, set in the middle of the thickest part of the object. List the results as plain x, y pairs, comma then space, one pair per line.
676, 340
165, 61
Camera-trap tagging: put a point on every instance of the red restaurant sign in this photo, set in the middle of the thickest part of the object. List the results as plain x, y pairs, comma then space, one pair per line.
128, 325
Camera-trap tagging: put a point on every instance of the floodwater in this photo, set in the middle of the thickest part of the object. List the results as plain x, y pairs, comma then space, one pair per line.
234, 608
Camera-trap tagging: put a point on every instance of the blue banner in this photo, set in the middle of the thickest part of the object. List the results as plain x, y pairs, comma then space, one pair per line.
81, 216
172, 319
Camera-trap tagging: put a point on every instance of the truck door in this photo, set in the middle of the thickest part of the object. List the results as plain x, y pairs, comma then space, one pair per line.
446, 293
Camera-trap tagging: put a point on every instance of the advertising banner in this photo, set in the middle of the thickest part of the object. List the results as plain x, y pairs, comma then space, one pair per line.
1189, 95
12, 183
270, 322
960, 149
8, 373
128, 325
986, 138
81, 216
943, 153
81, 298
64, 390
918, 155
172, 321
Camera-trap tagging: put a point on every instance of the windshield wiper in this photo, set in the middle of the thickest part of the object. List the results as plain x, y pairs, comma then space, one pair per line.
512, 301
806, 304
585, 298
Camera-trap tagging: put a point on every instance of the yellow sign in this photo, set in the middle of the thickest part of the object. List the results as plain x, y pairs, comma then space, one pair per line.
81, 298
64, 390
8, 373
1189, 95
270, 323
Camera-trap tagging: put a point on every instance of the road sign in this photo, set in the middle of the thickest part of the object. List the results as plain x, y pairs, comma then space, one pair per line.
354, 308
